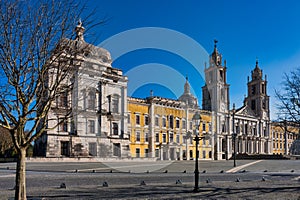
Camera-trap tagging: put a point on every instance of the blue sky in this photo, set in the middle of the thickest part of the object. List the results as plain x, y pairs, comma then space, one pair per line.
246, 30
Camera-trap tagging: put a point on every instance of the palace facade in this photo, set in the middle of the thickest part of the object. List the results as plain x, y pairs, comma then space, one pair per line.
105, 123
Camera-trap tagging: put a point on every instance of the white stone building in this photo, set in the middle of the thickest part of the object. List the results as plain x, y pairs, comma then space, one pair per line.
98, 103
251, 121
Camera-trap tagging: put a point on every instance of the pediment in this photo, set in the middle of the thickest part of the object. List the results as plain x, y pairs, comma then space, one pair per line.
245, 111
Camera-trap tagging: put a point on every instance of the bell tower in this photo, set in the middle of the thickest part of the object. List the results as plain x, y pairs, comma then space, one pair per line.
215, 98
215, 93
257, 98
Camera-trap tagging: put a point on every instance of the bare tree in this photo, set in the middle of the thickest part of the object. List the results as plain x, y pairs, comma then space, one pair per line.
289, 98
36, 59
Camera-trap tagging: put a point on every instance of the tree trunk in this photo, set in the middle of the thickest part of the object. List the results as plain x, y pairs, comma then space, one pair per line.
20, 191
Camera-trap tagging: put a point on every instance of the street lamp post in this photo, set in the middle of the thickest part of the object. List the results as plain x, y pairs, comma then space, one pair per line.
234, 136
196, 119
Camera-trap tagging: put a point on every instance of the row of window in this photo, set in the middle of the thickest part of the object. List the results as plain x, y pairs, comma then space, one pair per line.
91, 127
165, 139
90, 103
281, 135
245, 129
280, 146
92, 149
262, 87
164, 122
253, 104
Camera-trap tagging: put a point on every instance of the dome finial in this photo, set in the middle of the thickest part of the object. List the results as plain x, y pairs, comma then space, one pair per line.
186, 86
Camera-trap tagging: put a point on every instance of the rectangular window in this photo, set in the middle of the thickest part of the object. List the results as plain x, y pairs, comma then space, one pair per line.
156, 121
63, 99
191, 155
72, 128
91, 126
177, 123
137, 120
204, 154
137, 153
164, 122
117, 149
171, 137
91, 100
138, 136
203, 127
237, 129
253, 89
156, 137
115, 128
209, 154
191, 125
253, 106
146, 120
164, 138
63, 126
183, 124
146, 153
209, 127
157, 153
115, 105
223, 128
64, 148
146, 137
128, 118
171, 121
263, 88
92, 149
178, 138
263, 104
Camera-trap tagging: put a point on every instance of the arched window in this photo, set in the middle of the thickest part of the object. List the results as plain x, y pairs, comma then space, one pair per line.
91, 100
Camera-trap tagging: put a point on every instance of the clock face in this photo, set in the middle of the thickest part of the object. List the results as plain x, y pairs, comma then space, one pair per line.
222, 107
264, 115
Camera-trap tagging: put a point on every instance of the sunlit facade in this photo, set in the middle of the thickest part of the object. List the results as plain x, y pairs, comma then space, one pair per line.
283, 136
163, 128
106, 123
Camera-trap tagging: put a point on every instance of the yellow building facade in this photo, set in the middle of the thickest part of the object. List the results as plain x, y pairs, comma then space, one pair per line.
283, 136
162, 128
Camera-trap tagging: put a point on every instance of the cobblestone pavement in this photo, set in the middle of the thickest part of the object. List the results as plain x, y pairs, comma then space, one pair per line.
265, 179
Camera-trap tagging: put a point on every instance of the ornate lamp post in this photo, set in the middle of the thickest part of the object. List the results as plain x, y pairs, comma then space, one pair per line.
196, 120
233, 136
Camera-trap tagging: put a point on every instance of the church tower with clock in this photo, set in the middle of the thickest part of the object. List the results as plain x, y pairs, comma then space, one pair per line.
215, 98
